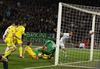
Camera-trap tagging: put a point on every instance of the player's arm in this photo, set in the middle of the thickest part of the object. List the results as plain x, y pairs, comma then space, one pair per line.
23, 31
43, 48
56, 31
6, 34
15, 36
71, 41
24, 52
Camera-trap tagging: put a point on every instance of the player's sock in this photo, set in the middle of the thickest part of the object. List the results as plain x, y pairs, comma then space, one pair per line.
36, 51
5, 65
7, 53
6, 50
20, 50
65, 53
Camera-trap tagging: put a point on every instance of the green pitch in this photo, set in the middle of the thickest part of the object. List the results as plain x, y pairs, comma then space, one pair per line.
21, 63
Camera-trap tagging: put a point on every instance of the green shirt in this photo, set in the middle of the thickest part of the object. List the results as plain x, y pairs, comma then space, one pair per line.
51, 46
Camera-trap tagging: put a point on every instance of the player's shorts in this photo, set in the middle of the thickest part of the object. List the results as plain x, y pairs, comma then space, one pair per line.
16, 40
9, 42
33, 55
11, 47
0, 57
5, 40
62, 45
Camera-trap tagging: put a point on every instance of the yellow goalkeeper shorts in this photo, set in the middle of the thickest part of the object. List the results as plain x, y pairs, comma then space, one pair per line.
33, 55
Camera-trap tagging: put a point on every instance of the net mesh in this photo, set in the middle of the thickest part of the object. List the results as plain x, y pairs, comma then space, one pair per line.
80, 23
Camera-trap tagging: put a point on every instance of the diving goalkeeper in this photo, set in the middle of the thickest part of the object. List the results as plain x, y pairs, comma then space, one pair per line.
48, 48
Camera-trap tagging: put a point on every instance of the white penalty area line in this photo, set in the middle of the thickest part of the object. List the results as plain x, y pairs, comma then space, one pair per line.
39, 67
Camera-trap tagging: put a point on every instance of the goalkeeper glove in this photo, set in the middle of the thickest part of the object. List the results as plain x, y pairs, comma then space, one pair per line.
43, 48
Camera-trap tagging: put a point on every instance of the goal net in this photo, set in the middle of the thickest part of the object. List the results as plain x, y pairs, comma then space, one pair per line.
78, 19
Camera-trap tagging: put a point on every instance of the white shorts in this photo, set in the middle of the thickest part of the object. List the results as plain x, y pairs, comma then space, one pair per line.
82, 45
62, 45
4, 40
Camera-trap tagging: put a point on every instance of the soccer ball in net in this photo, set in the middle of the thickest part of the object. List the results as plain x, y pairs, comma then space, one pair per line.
91, 32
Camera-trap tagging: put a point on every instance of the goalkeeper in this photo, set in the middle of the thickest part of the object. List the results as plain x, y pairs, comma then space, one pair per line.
48, 48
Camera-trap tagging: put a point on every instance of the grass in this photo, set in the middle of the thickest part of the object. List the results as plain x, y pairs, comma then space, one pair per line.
74, 55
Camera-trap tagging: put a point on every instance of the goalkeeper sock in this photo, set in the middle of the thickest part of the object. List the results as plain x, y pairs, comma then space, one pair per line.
64, 53
20, 50
36, 51
5, 65
7, 53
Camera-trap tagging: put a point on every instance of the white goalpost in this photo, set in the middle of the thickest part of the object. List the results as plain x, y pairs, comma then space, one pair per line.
86, 48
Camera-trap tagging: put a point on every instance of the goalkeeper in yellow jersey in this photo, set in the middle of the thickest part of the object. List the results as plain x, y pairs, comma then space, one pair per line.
20, 31
29, 51
10, 35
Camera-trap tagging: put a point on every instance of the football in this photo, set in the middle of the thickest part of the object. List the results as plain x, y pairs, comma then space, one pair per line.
91, 32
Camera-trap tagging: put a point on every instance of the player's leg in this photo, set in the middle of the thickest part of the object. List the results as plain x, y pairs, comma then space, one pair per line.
7, 48
9, 52
12, 47
33, 55
46, 56
5, 62
8, 41
37, 51
40, 49
20, 47
64, 49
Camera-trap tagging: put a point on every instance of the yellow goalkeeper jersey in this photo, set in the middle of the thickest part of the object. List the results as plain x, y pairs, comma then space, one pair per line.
20, 31
28, 50
11, 31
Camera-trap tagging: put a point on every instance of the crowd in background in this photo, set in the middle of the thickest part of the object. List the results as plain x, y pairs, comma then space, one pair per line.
41, 16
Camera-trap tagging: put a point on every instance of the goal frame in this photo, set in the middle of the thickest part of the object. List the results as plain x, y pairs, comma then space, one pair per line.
59, 27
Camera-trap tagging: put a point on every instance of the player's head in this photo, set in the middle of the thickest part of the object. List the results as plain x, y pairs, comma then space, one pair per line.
29, 44
17, 23
70, 33
13, 23
24, 24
